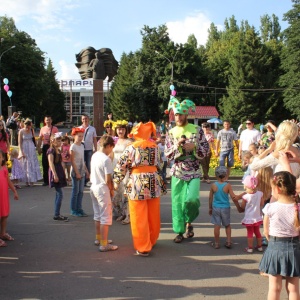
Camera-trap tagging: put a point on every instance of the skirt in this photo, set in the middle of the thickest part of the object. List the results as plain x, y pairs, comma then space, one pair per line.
282, 257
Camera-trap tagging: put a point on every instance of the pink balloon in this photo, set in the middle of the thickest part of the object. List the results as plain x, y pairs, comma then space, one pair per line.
173, 93
6, 88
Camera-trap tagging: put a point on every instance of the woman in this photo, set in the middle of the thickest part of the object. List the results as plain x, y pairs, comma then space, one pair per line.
268, 138
206, 160
286, 134
119, 201
108, 124
4, 140
27, 154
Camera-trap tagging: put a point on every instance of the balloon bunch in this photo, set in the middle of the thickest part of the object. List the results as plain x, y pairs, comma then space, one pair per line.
173, 94
6, 87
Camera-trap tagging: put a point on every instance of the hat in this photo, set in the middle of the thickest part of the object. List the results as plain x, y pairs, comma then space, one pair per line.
221, 171
142, 133
250, 182
119, 124
181, 108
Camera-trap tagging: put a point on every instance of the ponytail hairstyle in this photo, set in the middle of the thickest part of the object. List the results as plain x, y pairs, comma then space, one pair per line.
287, 185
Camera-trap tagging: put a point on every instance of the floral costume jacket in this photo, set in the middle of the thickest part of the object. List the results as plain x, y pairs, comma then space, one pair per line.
186, 165
140, 186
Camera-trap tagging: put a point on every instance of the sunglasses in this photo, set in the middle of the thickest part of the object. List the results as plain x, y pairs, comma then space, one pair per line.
107, 127
248, 123
261, 147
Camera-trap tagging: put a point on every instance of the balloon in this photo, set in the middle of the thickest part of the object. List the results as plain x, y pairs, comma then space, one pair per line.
172, 87
9, 94
5, 80
6, 88
173, 93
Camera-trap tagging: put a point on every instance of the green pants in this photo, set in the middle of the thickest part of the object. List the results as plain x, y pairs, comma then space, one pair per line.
185, 202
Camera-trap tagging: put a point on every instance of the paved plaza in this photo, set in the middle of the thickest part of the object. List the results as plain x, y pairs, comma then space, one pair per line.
57, 260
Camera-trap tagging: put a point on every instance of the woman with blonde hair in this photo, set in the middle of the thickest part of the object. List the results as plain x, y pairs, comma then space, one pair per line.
286, 134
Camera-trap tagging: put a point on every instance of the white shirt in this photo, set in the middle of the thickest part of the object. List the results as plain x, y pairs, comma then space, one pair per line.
88, 137
162, 151
78, 152
248, 137
252, 209
100, 166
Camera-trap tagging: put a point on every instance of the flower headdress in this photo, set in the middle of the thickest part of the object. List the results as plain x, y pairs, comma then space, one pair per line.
119, 124
109, 123
180, 108
75, 130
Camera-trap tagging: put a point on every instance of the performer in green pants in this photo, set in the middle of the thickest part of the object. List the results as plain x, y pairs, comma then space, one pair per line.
185, 145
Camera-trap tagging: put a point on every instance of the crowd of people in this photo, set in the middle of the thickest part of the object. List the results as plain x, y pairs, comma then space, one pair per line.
126, 173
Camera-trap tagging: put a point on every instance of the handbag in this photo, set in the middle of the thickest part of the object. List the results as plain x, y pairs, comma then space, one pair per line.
33, 138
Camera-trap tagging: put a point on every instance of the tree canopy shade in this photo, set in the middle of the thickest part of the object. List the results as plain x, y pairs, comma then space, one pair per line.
290, 79
35, 91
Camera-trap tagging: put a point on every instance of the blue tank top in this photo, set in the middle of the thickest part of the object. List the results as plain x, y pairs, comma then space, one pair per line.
221, 199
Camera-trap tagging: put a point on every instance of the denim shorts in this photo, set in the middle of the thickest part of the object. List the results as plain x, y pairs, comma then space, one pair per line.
220, 216
229, 154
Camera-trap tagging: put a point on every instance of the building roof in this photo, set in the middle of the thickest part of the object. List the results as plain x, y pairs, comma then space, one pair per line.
201, 112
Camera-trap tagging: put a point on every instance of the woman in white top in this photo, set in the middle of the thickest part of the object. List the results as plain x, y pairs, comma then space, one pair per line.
285, 136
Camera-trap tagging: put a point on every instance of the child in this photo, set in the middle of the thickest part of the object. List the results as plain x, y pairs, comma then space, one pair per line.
78, 172
4, 200
102, 191
66, 158
219, 206
17, 172
281, 227
57, 176
251, 205
246, 162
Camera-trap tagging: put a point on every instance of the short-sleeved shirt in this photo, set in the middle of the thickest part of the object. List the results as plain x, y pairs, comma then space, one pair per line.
282, 217
162, 151
78, 158
45, 133
88, 137
248, 137
101, 165
226, 137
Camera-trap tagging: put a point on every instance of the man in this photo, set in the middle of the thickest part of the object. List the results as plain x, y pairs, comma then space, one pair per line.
186, 145
248, 136
44, 137
12, 125
89, 140
225, 137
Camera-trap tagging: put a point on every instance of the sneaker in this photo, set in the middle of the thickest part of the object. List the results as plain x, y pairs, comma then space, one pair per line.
74, 213
248, 250
97, 242
81, 213
259, 249
61, 218
108, 247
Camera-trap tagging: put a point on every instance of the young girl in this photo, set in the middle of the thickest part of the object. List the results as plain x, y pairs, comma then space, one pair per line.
57, 176
4, 200
251, 204
66, 157
281, 227
17, 172
78, 172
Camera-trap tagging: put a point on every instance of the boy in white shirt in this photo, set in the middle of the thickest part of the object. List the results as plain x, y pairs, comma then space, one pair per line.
102, 191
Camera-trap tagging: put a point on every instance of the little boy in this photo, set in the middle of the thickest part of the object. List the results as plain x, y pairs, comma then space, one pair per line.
101, 192
219, 206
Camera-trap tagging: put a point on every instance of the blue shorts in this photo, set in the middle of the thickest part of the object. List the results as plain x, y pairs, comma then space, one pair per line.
229, 154
220, 216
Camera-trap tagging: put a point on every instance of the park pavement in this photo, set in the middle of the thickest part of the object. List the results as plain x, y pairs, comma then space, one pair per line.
58, 260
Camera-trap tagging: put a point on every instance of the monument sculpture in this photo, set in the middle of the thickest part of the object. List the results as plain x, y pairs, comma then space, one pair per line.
96, 64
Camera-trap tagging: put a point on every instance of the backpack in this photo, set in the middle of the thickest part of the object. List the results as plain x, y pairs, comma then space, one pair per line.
11, 124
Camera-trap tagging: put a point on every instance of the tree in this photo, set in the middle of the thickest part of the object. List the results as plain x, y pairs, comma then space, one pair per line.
290, 80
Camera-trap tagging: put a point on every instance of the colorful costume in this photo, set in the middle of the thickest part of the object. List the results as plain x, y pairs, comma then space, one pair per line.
144, 186
186, 172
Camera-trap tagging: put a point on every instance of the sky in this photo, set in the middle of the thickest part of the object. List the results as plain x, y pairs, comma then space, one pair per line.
62, 28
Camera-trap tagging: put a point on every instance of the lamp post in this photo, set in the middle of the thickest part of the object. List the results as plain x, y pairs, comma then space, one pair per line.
171, 62
12, 47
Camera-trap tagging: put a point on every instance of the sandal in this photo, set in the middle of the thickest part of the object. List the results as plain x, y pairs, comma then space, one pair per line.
144, 254
179, 238
6, 237
121, 218
2, 243
228, 245
215, 245
189, 231
126, 221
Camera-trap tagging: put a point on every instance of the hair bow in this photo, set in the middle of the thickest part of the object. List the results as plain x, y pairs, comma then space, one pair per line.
58, 135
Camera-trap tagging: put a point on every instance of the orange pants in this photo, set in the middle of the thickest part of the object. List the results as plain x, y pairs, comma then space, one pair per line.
145, 223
